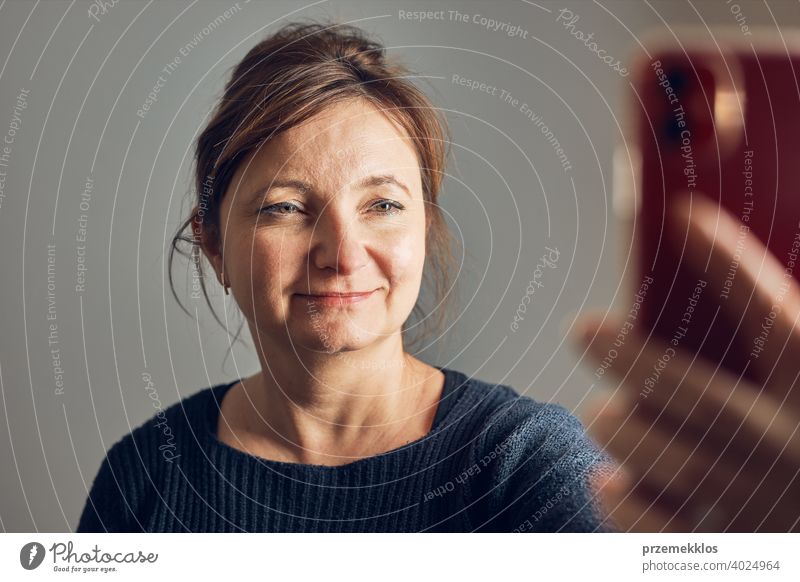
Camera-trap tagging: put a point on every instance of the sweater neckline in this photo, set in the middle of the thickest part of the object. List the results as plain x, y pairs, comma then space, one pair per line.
452, 380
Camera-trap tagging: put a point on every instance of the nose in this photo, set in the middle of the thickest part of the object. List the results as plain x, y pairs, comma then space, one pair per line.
338, 243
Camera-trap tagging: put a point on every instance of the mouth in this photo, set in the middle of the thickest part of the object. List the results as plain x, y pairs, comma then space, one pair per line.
334, 299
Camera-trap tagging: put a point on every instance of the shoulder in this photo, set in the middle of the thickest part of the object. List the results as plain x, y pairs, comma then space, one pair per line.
135, 466
521, 425
497, 415
535, 461
502, 410
162, 436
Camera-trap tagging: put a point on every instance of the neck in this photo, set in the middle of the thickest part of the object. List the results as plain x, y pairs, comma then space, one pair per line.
310, 405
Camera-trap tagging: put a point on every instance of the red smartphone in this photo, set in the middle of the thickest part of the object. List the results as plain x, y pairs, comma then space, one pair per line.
718, 117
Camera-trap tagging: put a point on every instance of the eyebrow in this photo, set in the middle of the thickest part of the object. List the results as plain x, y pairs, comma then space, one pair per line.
381, 180
304, 187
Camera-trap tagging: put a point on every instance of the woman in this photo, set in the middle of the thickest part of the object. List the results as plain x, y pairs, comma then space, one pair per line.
318, 180
317, 208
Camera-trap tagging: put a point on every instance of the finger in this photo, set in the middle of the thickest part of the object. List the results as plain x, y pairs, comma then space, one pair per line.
626, 511
686, 478
663, 462
637, 508
706, 401
760, 293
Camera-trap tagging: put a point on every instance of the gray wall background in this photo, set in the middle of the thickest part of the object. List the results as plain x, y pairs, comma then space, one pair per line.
87, 70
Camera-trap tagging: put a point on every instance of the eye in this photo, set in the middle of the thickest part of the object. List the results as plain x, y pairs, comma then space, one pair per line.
388, 206
280, 209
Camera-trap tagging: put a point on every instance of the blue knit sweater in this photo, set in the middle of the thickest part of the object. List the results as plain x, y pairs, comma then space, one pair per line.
493, 461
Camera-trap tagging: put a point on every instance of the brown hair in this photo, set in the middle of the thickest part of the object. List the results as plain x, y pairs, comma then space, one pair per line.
286, 79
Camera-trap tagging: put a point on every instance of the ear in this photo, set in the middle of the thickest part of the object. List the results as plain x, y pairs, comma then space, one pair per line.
207, 240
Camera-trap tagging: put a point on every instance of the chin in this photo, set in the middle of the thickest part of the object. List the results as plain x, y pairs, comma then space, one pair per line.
332, 337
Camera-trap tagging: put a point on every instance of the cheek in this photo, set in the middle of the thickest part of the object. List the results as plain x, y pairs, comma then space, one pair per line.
267, 265
276, 261
405, 259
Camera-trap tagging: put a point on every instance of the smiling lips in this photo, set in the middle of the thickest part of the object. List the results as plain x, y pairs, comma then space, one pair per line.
338, 299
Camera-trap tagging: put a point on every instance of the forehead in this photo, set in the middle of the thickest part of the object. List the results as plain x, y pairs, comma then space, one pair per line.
343, 142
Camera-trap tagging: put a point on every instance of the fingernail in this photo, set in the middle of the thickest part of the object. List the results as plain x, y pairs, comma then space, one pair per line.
584, 330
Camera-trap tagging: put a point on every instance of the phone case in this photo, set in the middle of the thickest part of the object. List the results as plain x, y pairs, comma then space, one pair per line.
718, 117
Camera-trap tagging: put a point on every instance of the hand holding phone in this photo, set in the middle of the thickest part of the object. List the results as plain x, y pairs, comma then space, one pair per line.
708, 450
705, 415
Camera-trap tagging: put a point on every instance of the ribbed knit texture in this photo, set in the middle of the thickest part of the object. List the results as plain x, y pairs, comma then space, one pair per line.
493, 461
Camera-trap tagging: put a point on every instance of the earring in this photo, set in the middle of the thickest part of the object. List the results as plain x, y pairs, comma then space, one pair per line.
222, 282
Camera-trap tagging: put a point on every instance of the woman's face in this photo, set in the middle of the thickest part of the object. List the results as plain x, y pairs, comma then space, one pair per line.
334, 205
